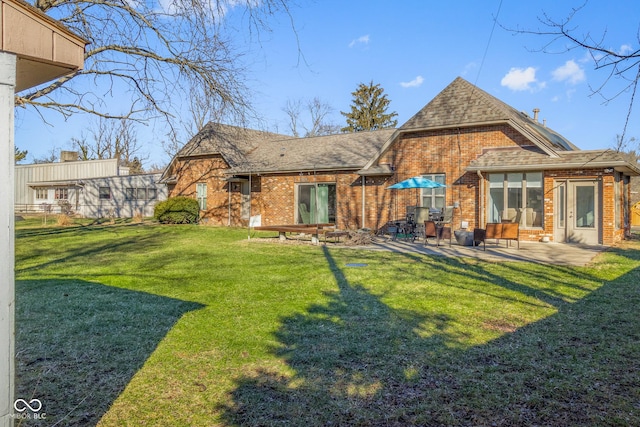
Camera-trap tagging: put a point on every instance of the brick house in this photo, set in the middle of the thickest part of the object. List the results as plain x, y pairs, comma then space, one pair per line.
499, 164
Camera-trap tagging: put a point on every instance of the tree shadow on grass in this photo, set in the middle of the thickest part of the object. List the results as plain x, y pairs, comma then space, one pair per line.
78, 344
357, 361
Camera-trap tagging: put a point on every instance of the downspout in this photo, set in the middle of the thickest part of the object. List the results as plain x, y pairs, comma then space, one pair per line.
249, 224
481, 201
363, 201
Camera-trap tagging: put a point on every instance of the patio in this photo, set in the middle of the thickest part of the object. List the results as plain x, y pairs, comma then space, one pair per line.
545, 253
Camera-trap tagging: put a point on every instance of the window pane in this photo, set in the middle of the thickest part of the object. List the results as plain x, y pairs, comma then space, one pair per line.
141, 193
561, 205
533, 207
129, 193
496, 180
496, 204
201, 195
152, 193
514, 180
534, 179
533, 211
316, 203
104, 193
585, 207
434, 197
514, 205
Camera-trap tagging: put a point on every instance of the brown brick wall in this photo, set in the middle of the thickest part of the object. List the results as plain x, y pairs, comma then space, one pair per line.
428, 152
449, 152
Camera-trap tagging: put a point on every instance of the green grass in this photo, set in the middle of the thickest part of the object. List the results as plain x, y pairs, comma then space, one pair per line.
148, 325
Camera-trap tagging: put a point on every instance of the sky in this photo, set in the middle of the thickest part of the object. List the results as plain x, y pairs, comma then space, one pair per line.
413, 49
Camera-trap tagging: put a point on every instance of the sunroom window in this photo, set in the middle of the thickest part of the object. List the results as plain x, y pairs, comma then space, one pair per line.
516, 197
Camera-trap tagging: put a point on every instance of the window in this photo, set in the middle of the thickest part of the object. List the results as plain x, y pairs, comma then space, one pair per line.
104, 193
130, 193
42, 193
316, 203
516, 197
62, 193
434, 197
140, 193
201, 195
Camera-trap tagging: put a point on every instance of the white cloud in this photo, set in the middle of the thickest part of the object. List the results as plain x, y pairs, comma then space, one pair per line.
520, 79
625, 49
360, 40
570, 72
417, 82
469, 68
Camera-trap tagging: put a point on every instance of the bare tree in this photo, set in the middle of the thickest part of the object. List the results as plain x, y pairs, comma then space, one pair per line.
153, 50
317, 112
622, 65
110, 139
293, 109
201, 110
51, 157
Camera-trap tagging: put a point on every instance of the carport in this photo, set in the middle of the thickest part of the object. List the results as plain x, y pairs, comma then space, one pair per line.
34, 49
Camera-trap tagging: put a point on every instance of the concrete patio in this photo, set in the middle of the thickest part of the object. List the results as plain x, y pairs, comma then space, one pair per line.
546, 253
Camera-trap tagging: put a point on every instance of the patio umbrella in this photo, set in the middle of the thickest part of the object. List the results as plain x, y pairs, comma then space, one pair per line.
415, 182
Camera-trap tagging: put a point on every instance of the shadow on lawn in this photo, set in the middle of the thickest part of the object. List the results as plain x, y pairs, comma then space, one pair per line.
357, 361
87, 340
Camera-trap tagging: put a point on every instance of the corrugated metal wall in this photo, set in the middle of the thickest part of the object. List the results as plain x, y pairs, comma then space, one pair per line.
67, 171
82, 181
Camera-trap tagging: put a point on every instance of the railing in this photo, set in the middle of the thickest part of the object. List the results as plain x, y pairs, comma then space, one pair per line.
43, 208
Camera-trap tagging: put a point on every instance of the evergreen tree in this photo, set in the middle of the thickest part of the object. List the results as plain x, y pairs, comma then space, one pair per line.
369, 110
20, 154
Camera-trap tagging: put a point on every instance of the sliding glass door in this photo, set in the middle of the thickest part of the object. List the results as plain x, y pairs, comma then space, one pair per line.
315, 203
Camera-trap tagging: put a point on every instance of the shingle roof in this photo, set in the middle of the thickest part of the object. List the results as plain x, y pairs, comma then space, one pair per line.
231, 142
462, 104
331, 152
532, 158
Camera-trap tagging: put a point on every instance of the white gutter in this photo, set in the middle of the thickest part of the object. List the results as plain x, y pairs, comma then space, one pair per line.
364, 182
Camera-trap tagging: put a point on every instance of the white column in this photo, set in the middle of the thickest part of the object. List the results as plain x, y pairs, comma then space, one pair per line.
7, 249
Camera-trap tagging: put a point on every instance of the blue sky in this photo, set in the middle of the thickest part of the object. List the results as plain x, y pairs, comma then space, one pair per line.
414, 49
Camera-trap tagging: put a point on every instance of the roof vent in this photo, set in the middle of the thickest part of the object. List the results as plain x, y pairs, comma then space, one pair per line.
535, 114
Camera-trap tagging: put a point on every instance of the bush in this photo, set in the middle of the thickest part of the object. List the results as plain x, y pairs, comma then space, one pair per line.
64, 220
177, 210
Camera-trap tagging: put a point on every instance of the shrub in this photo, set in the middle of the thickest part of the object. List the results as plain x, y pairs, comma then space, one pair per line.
177, 210
64, 220
138, 218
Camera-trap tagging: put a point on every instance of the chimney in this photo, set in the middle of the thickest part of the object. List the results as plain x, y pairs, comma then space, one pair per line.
68, 156
535, 114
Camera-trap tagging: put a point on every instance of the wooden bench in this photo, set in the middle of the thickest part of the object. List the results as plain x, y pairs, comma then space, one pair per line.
509, 231
312, 229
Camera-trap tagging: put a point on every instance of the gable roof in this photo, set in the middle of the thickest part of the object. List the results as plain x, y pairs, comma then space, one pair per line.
231, 142
345, 151
462, 104
532, 158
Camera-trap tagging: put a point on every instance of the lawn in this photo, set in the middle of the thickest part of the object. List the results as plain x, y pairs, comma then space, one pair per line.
147, 325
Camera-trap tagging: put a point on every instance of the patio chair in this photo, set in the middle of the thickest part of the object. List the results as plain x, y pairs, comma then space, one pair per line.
430, 230
447, 216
